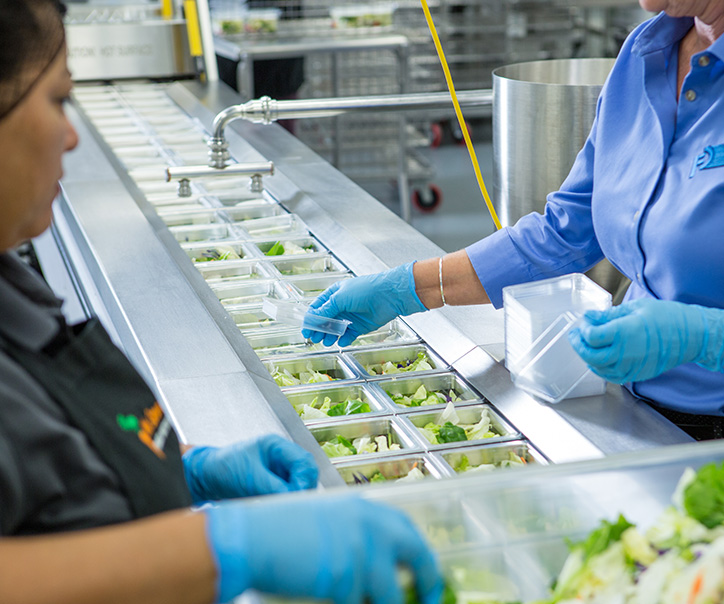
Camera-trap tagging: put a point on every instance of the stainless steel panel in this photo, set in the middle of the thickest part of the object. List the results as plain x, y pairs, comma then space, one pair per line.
105, 51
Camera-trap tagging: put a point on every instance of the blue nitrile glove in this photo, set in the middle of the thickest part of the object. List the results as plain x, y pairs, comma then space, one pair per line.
639, 340
369, 302
343, 549
270, 464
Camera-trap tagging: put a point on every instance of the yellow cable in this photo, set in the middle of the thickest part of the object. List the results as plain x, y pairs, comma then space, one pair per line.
166, 9
192, 26
459, 114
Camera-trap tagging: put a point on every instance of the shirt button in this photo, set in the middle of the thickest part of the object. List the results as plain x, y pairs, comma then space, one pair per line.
636, 214
703, 60
638, 277
690, 95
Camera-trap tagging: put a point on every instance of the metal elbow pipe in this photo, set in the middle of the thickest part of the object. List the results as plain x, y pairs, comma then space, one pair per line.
266, 110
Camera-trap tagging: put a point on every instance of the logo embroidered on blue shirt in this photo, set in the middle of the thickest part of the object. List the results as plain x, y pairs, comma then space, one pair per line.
712, 157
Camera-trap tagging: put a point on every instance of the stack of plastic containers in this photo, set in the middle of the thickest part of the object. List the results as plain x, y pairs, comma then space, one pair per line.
538, 317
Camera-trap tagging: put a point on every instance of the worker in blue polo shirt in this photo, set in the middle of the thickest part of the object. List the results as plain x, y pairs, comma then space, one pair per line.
646, 192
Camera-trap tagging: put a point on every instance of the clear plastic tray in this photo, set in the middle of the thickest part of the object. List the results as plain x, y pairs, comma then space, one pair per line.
489, 457
530, 308
331, 365
288, 246
551, 370
250, 292
310, 286
391, 469
338, 395
308, 265
353, 429
439, 383
295, 313
369, 361
467, 414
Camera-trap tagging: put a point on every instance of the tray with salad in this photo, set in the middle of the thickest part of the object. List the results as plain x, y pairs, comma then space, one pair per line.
394, 333
398, 468
459, 425
303, 371
216, 252
310, 286
253, 319
286, 225
411, 393
288, 246
677, 557
487, 458
273, 343
250, 292
308, 265
252, 211
373, 436
234, 270
193, 213
334, 403
204, 232
397, 360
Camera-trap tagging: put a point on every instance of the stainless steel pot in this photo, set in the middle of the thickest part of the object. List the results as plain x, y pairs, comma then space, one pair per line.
542, 114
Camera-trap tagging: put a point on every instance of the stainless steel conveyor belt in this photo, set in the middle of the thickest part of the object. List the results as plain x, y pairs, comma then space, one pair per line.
174, 328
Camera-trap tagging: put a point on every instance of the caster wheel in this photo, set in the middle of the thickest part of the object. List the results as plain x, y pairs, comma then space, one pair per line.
457, 133
427, 200
435, 135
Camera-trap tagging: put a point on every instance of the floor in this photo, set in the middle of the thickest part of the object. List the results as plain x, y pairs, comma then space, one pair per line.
462, 217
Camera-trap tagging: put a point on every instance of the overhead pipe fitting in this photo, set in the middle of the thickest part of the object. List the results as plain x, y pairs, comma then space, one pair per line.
266, 110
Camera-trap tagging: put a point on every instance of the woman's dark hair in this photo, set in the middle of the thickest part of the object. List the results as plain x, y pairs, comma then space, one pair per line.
31, 36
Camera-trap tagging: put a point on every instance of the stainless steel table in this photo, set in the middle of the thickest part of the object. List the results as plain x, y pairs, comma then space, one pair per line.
210, 380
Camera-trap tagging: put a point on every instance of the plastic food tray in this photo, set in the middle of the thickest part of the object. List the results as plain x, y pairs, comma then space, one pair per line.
394, 354
338, 393
392, 468
491, 454
409, 384
468, 414
352, 429
331, 364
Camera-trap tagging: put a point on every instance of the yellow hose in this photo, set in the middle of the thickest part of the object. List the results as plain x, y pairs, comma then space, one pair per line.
459, 114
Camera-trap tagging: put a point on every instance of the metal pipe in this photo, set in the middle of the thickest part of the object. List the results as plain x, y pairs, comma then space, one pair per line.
267, 110
189, 172
184, 174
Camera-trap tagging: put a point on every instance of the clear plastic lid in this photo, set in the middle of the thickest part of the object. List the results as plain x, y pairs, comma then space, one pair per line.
295, 313
550, 368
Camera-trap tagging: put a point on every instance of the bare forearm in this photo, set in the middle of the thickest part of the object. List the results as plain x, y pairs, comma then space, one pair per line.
460, 283
160, 560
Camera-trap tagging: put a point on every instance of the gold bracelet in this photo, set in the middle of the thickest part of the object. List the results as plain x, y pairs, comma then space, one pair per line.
439, 272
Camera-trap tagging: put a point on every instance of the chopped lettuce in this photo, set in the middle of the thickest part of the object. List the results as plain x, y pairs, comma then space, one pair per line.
413, 475
338, 447
275, 250
703, 497
421, 363
449, 428
679, 559
286, 248
422, 397
316, 410
220, 252
363, 444
284, 377
512, 461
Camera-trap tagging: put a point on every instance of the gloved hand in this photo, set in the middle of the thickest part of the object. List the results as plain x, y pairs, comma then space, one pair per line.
343, 549
270, 464
639, 340
369, 302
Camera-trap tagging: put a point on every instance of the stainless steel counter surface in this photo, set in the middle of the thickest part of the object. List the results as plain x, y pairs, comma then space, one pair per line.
212, 382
